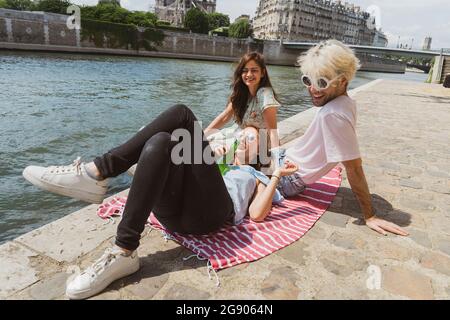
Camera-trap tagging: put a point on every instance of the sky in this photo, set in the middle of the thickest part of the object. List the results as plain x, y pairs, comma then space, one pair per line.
411, 20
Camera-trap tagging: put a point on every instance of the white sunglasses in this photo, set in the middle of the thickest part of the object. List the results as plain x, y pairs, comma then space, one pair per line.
321, 83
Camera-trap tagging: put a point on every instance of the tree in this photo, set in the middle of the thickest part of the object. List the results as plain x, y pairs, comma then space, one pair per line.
18, 4
142, 19
110, 12
105, 12
2, 3
113, 2
55, 6
240, 29
218, 20
162, 23
196, 21
222, 31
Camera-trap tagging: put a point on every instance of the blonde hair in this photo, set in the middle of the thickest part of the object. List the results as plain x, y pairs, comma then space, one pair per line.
329, 59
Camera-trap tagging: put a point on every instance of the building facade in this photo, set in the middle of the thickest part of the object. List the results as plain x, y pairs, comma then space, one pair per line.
312, 20
380, 39
427, 43
174, 11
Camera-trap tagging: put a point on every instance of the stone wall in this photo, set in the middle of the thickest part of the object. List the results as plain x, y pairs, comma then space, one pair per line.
28, 31
35, 28
3, 31
59, 34
441, 68
276, 53
378, 64
48, 31
445, 68
186, 43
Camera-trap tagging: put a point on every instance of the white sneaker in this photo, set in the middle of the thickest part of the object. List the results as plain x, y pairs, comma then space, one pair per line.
112, 266
72, 181
132, 170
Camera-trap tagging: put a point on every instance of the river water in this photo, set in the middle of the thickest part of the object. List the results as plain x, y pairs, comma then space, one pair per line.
55, 107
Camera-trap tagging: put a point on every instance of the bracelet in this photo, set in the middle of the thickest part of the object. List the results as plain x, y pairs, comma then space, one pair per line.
276, 177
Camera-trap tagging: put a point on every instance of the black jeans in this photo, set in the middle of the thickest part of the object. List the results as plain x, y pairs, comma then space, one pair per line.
185, 198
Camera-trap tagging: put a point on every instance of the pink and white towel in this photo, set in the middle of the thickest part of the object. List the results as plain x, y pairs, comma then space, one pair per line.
250, 241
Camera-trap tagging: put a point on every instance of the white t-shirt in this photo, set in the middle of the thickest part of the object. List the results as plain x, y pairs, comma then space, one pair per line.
263, 100
330, 139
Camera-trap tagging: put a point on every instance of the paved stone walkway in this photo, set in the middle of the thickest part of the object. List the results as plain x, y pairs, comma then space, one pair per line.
404, 136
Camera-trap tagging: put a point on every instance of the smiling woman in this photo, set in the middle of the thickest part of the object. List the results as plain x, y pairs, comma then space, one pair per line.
253, 105
249, 76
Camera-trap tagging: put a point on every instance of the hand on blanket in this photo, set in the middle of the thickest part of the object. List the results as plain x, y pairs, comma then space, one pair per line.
288, 169
381, 226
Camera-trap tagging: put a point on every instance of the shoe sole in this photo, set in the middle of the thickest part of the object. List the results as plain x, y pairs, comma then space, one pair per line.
88, 294
77, 194
131, 171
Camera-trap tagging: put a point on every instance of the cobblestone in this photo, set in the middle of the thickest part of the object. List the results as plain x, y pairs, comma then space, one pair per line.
295, 253
180, 291
442, 187
51, 288
407, 283
436, 261
420, 237
443, 245
335, 219
411, 184
347, 241
280, 285
343, 263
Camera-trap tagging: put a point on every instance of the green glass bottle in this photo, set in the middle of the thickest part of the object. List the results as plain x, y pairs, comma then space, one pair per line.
227, 158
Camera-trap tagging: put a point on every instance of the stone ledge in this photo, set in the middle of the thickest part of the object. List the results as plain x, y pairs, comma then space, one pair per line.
82, 230
17, 272
104, 51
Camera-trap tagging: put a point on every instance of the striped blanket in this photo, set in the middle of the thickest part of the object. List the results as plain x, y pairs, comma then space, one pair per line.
250, 241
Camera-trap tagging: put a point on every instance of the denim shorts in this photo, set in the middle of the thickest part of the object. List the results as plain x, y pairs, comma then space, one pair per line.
292, 185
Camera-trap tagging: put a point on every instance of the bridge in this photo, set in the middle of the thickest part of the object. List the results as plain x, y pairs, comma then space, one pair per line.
425, 68
372, 50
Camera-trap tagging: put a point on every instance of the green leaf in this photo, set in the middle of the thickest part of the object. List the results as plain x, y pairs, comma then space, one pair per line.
196, 21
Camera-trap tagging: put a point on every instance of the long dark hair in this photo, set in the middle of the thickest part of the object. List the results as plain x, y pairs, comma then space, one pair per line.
240, 95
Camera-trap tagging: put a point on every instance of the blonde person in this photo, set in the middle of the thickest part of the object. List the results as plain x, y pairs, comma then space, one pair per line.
331, 138
253, 105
